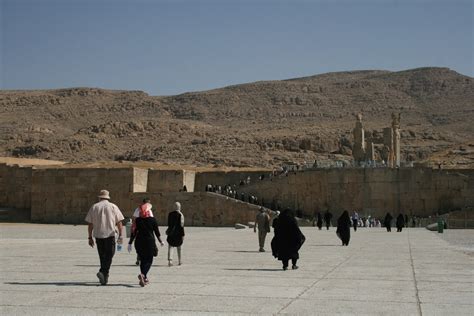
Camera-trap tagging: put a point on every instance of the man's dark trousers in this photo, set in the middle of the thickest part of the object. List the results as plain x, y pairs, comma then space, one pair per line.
106, 249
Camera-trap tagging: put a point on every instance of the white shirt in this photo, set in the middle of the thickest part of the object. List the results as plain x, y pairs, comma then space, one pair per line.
104, 216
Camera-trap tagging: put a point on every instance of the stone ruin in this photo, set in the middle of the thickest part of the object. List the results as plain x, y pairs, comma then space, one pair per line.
364, 151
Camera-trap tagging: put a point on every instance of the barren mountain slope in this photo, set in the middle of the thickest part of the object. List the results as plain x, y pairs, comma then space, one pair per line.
256, 124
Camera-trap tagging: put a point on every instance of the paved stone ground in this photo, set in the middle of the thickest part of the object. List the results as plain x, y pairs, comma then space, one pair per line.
50, 270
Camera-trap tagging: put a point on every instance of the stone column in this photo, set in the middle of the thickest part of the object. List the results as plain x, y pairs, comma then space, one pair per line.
358, 150
396, 138
388, 146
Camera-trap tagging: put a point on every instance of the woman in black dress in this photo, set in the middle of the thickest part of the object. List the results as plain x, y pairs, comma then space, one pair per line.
175, 232
344, 228
319, 222
400, 222
288, 239
144, 236
388, 222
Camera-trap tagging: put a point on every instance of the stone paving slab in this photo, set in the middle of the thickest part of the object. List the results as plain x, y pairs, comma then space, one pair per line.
50, 270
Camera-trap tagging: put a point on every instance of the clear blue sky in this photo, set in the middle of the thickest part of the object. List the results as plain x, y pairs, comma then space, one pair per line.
170, 47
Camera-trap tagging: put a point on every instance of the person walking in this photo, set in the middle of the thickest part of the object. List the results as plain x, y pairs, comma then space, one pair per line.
355, 220
388, 222
102, 218
144, 236
175, 233
145, 206
400, 222
327, 219
262, 222
288, 239
343, 230
319, 222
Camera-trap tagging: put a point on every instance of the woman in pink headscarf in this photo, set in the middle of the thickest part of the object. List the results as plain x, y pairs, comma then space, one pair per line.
146, 228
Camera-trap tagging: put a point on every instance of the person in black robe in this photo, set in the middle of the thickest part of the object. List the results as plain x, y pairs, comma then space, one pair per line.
344, 228
327, 219
400, 222
175, 232
319, 222
144, 236
388, 222
288, 239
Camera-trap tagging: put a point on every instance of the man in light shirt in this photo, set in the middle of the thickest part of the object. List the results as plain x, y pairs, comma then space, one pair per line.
102, 218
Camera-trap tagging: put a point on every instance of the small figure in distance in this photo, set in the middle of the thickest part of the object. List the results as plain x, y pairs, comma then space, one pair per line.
144, 236
400, 222
175, 232
344, 228
262, 222
102, 218
388, 222
355, 220
319, 221
327, 219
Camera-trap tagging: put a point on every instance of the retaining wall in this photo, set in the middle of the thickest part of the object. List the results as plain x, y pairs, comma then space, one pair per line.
15, 186
170, 180
65, 195
225, 178
421, 192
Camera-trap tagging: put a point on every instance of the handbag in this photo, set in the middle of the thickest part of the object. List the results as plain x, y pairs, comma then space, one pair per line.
155, 251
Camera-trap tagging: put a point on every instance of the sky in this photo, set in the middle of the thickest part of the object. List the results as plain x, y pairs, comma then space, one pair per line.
171, 47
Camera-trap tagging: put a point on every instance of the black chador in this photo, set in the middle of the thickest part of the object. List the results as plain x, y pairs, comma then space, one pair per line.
400, 222
344, 228
327, 219
388, 222
288, 239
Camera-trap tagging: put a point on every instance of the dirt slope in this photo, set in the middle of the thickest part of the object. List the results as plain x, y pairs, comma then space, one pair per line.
258, 124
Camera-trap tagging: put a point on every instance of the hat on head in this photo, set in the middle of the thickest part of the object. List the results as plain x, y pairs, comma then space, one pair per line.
104, 194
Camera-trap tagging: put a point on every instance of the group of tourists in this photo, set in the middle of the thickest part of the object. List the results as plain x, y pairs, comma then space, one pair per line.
231, 191
287, 239
105, 221
401, 221
105, 226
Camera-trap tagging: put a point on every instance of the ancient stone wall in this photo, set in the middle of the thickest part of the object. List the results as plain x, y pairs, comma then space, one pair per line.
189, 180
165, 180
65, 195
225, 178
15, 186
421, 192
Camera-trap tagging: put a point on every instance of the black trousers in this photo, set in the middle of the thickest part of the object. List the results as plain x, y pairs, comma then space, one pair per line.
389, 228
145, 264
106, 250
285, 262
355, 223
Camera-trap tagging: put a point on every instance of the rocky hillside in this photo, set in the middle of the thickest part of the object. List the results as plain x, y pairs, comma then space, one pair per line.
258, 124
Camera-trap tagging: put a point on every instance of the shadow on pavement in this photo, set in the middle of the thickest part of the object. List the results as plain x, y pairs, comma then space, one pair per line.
248, 251
236, 269
69, 284
333, 245
113, 265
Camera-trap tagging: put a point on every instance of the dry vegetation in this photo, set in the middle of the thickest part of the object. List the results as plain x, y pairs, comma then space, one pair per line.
259, 124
